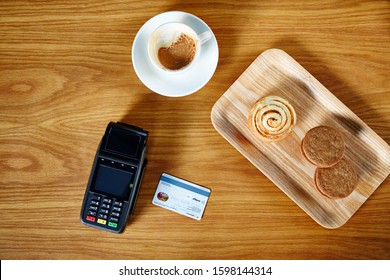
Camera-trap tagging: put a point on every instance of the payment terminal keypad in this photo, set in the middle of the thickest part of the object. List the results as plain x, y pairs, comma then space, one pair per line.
104, 211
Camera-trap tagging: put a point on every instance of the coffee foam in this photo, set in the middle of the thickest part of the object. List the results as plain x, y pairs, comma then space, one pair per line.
170, 33
167, 36
179, 54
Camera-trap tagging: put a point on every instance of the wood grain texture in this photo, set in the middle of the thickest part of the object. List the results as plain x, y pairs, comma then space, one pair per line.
275, 73
66, 71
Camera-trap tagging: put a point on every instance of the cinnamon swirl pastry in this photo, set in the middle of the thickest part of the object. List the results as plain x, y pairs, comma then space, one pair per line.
272, 118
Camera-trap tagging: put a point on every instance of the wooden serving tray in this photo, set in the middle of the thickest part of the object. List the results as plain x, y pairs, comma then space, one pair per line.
274, 72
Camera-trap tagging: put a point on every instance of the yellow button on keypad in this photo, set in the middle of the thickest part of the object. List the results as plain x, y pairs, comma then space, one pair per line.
101, 221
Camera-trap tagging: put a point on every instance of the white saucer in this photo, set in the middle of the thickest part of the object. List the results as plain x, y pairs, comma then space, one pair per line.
179, 84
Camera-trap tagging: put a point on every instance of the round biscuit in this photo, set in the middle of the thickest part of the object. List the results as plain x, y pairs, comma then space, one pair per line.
337, 181
323, 146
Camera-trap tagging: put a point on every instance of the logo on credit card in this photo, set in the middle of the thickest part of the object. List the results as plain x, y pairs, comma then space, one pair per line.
162, 196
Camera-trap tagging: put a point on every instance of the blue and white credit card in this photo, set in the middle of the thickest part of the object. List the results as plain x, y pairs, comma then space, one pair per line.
181, 196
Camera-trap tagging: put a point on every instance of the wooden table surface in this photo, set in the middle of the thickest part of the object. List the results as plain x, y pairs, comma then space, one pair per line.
66, 71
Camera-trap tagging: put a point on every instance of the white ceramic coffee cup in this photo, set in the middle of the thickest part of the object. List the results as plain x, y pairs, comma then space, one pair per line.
167, 34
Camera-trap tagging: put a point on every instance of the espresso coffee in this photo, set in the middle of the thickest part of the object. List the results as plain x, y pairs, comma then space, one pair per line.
179, 54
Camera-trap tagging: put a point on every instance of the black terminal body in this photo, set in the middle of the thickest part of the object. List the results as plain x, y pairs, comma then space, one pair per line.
115, 178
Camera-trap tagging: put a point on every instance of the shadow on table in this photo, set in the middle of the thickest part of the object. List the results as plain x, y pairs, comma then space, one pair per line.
324, 74
156, 114
356, 150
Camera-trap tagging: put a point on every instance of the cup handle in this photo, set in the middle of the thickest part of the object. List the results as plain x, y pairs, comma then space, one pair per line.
204, 37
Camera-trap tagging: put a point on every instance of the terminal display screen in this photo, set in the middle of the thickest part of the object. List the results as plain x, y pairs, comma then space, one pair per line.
113, 182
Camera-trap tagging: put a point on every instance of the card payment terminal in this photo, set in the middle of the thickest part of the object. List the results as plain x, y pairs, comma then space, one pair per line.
115, 178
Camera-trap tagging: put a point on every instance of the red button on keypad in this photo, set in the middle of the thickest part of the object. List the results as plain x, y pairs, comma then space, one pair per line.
90, 218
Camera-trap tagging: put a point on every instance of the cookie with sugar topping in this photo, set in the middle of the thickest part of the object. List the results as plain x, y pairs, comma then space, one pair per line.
323, 146
337, 181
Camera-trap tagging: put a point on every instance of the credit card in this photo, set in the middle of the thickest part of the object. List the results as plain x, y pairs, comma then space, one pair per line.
181, 196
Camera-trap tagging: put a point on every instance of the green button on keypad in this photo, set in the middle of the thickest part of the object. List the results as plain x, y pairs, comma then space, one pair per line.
111, 224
